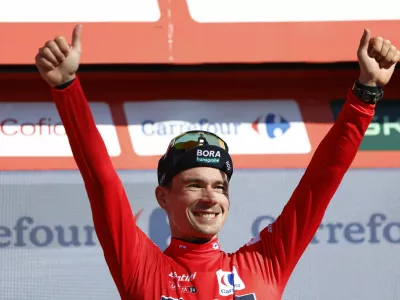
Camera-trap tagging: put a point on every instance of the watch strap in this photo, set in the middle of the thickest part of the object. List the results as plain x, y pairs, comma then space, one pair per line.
367, 94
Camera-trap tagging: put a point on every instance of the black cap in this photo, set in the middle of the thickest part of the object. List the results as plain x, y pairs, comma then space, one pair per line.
176, 161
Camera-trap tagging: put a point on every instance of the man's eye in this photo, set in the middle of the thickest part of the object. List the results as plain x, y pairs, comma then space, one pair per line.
194, 185
220, 187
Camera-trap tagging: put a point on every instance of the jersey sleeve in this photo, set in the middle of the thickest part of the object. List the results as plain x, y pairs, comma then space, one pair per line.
281, 244
129, 253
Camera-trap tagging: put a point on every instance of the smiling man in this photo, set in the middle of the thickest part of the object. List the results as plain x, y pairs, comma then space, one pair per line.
193, 185
193, 178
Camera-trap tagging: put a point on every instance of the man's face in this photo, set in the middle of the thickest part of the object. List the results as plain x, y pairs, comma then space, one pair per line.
197, 203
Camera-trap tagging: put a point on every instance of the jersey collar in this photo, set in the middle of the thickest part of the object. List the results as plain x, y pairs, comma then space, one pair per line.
178, 247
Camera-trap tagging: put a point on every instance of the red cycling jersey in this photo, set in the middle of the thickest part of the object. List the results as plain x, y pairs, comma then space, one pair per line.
258, 270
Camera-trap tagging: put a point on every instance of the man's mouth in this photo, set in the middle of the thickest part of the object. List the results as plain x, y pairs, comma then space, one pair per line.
206, 215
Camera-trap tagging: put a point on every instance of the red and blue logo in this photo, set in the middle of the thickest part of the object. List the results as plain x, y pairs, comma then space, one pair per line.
273, 124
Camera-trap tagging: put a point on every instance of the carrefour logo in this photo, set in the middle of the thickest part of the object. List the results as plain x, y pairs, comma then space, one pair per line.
273, 125
249, 127
174, 128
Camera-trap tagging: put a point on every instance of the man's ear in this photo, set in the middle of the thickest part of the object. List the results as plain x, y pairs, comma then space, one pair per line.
161, 196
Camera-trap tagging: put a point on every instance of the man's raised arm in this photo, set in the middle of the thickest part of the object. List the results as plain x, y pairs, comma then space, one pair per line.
125, 246
283, 242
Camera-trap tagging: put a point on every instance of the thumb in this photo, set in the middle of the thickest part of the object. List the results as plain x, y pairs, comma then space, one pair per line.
76, 37
365, 40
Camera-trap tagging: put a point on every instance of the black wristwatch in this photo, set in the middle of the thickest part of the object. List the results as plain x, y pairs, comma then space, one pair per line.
367, 94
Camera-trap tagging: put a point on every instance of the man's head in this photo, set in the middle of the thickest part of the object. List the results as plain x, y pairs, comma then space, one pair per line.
196, 202
193, 179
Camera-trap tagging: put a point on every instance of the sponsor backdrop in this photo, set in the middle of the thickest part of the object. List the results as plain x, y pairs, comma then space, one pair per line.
48, 248
197, 31
269, 119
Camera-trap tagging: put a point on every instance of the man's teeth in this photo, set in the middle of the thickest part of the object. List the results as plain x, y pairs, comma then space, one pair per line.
206, 215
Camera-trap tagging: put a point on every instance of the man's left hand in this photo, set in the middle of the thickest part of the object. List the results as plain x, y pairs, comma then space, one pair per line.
377, 58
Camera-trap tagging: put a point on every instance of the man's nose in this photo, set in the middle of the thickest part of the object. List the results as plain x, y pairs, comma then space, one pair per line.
209, 195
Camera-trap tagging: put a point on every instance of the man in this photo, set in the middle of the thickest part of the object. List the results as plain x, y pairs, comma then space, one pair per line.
193, 178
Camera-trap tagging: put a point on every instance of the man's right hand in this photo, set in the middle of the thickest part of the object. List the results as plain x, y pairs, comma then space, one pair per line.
58, 61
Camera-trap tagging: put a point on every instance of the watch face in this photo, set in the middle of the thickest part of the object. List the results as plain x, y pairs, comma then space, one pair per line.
366, 95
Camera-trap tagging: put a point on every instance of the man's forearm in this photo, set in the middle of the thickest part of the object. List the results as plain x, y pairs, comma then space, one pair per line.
339, 147
87, 145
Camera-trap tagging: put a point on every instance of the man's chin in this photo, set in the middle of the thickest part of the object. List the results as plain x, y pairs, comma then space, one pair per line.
206, 232
206, 229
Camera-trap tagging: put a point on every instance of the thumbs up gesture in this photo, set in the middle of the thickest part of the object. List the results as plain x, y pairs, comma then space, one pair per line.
58, 61
377, 59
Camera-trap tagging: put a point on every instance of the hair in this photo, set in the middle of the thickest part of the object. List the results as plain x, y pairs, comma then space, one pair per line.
168, 186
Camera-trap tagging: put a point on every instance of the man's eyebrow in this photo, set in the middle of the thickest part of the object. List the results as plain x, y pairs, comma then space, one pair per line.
200, 180
193, 179
223, 182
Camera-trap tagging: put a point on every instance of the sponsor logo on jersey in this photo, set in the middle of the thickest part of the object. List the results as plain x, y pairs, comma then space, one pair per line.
229, 282
170, 298
184, 277
183, 288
